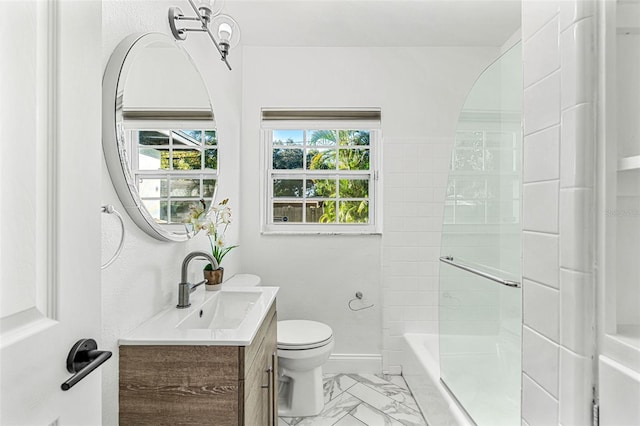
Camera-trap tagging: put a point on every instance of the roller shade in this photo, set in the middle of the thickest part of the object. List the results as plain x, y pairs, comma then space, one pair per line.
349, 118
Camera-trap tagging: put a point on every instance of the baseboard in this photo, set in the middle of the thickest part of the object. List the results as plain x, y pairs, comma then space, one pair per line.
353, 363
393, 370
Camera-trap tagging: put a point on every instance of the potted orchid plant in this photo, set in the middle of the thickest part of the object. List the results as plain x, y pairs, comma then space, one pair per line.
215, 225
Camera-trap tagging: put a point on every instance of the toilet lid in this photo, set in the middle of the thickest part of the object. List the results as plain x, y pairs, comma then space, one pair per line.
303, 334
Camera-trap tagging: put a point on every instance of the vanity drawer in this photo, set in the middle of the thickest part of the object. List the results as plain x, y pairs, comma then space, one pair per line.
169, 385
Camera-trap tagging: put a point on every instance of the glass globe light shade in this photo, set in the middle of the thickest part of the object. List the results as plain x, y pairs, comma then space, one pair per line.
227, 29
210, 8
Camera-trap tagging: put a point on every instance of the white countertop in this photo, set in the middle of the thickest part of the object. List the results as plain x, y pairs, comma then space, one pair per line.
162, 329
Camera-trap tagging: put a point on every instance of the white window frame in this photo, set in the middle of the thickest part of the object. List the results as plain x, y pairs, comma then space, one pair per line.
268, 174
136, 126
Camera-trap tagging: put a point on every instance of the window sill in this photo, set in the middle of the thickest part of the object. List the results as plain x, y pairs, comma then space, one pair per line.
320, 233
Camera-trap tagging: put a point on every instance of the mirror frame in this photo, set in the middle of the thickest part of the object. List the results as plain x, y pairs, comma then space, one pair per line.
114, 145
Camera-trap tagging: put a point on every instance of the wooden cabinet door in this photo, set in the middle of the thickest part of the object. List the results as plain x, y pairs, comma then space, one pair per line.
254, 392
260, 382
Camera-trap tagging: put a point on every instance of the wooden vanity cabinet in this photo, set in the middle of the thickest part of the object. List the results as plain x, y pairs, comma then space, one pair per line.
202, 385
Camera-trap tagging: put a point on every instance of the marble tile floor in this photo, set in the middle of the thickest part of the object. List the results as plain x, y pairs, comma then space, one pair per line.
363, 400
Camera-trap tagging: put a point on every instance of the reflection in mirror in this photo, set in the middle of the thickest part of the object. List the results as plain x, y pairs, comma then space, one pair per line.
159, 134
173, 169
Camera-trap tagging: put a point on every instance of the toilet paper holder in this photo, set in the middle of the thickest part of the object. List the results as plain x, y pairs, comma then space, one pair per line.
358, 297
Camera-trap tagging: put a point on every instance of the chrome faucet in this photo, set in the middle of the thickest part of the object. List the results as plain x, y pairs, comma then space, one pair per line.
185, 288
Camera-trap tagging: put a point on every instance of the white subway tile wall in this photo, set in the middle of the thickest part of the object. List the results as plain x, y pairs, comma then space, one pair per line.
575, 11
539, 408
576, 328
415, 177
576, 238
540, 260
577, 60
541, 156
577, 153
540, 359
542, 54
558, 217
540, 207
538, 13
541, 309
541, 108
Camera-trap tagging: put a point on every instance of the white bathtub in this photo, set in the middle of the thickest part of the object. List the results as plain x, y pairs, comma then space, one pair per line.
421, 370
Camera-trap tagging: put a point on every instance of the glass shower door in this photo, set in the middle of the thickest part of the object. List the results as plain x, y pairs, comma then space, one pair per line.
480, 294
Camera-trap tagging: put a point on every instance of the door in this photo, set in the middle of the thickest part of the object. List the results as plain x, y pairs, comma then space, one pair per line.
480, 311
50, 89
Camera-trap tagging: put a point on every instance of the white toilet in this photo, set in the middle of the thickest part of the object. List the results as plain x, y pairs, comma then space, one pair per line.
303, 347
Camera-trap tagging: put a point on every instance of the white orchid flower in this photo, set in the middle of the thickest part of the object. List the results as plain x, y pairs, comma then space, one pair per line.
225, 216
214, 222
211, 228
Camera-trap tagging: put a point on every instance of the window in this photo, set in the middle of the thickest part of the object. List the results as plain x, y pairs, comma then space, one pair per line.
173, 169
321, 172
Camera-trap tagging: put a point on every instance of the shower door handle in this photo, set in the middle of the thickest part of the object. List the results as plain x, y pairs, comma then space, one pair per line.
449, 261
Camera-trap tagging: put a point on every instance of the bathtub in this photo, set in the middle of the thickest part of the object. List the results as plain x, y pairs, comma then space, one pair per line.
421, 371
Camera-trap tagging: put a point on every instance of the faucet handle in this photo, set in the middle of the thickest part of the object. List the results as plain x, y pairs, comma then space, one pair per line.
184, 287
184, 290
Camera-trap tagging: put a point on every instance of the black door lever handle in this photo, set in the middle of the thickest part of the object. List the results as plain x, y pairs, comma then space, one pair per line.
82, 360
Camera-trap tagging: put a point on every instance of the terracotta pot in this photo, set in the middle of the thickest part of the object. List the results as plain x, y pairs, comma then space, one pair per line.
214, 276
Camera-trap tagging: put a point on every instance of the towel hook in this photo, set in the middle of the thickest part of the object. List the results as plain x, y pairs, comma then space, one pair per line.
109, 209
358, 297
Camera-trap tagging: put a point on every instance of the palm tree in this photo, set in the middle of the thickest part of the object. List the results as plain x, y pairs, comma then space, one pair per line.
352, 152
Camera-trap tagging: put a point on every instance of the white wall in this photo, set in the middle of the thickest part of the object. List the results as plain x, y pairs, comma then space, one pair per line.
144, 279
420, 92
558, 241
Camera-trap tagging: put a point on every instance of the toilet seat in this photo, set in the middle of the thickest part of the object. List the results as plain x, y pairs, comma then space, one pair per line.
303, 334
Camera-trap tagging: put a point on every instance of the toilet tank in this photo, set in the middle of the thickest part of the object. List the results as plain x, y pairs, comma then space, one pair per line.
243, 280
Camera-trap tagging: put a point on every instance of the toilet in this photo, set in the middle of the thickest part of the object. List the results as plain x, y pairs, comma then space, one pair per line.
303, 348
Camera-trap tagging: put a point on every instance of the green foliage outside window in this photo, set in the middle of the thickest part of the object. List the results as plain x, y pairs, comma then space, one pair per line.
348, 159
328, 150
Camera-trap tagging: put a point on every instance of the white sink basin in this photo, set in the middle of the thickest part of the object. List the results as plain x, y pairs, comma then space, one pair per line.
228, 317
227, 311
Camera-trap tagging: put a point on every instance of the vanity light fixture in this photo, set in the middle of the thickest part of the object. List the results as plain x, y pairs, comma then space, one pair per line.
227, 32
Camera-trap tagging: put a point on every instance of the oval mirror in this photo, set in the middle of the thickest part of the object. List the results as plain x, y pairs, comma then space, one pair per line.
158, 134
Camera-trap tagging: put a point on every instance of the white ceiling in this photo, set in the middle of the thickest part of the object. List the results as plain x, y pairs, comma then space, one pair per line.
375, 22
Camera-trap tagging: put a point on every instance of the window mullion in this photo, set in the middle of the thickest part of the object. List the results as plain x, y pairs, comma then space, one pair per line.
304, 199
337, 198
305, 147
170, 150
202, 151
169, 169
333, 177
